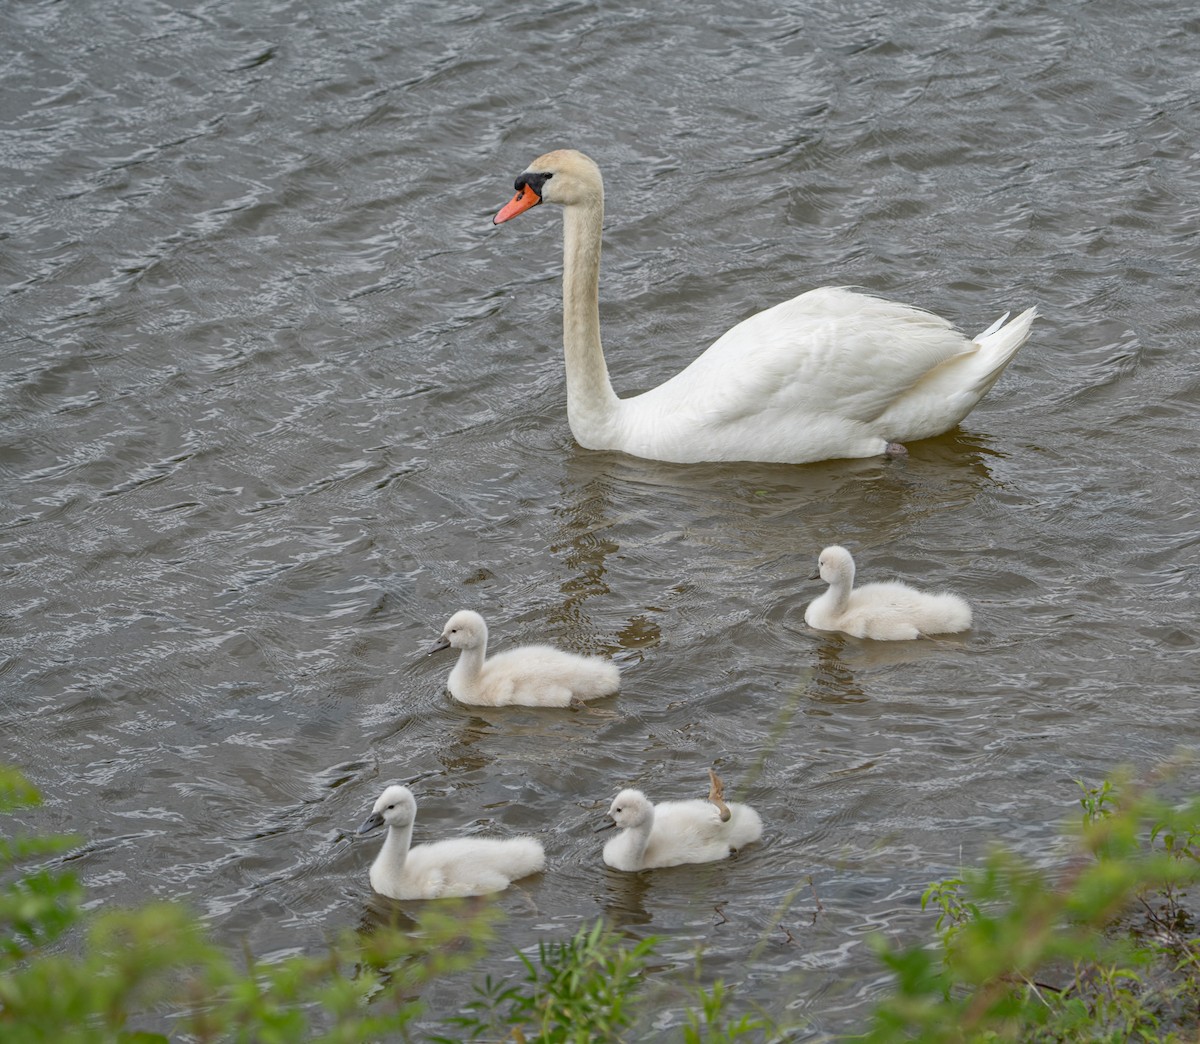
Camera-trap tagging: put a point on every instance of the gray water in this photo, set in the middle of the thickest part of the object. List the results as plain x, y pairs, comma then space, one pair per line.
277, 398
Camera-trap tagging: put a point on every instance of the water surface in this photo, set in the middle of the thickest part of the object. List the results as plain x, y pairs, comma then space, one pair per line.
277, 398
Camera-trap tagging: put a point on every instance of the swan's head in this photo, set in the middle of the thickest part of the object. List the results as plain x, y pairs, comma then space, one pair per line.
563, 176
396, 807
630, 808
464, 630
836, 565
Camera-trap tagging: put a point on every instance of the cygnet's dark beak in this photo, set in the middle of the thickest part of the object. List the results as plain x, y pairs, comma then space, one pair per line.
608, 825
373, 822
815, 575
439, 645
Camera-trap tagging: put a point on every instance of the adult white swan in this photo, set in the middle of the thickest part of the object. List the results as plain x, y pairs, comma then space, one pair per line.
831, 373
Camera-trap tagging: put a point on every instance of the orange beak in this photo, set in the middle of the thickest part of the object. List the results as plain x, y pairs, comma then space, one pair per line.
520, 203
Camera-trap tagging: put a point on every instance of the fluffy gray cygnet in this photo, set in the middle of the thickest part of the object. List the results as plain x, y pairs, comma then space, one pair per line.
530, 676
887, 611
674, 832
455, 867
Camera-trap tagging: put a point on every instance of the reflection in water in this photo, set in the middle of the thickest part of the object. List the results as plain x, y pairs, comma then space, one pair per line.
382, 912
833, 681
462, 751
838, 657
583, 515
434, 933
639, 633
624, 901
584, 545
767, 509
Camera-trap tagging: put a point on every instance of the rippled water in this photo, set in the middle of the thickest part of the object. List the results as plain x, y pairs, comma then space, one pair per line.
277, 398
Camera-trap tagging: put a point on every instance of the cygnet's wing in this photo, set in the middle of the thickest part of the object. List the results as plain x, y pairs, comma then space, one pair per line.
471, 866
541, 675
686, 832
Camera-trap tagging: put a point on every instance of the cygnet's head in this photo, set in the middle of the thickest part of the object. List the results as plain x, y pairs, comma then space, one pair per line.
395, 807
464, 630
630, 808
836, 564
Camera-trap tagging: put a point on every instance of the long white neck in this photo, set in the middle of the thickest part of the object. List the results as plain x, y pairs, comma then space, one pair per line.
395, 848
839, 590
631, 845
591, 401
469, 665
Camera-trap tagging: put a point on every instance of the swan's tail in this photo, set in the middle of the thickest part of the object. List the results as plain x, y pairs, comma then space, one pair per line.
1003, 338
524, 856
997, 346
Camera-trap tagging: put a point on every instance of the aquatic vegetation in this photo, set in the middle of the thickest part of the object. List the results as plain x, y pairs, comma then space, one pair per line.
1101, 947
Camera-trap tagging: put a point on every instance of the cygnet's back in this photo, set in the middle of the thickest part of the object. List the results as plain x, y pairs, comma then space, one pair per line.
671, 833
460, 866
455, 867
531, 675
886, 611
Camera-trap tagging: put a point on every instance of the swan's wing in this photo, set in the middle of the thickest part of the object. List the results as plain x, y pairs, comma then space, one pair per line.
827, 351
949, 391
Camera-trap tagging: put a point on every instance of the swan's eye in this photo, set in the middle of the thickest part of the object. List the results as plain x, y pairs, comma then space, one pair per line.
535, 181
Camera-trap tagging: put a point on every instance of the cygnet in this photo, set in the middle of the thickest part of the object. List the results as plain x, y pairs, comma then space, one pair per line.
532, 675
675, 832
888, 611
456, 867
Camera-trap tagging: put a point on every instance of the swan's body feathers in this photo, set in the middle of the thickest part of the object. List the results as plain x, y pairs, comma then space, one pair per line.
886, 611
839, 372
830, 373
